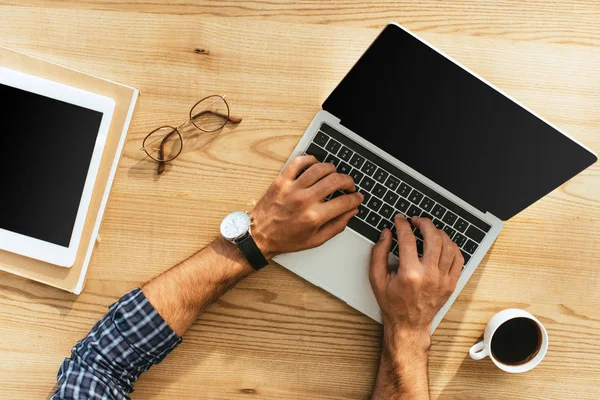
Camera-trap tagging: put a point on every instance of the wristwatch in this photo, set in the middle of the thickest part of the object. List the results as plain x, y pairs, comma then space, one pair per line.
236, 228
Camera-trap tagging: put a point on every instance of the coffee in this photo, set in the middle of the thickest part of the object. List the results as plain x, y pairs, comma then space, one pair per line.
516, 341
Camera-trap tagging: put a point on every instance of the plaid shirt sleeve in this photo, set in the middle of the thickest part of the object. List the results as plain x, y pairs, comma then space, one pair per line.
124, 343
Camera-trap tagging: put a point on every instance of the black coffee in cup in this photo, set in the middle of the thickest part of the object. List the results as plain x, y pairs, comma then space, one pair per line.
516, 341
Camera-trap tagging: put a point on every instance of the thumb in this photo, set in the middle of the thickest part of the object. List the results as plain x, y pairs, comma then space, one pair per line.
379, 257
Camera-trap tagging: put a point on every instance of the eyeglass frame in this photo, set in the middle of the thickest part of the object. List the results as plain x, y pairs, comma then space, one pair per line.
228, 117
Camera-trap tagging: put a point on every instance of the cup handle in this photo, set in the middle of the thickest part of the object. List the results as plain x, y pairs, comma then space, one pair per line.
478, 351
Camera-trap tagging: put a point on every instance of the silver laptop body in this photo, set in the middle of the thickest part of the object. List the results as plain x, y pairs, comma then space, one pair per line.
341, 266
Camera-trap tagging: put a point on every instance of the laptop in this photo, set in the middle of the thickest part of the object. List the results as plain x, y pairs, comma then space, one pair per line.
423, 136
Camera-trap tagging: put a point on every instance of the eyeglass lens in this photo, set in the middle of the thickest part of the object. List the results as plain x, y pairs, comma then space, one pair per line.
164, 144
210, 114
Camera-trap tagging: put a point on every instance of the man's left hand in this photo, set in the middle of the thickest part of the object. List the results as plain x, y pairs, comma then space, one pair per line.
293, 216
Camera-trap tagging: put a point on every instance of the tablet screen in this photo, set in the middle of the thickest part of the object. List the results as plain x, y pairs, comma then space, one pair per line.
46, 146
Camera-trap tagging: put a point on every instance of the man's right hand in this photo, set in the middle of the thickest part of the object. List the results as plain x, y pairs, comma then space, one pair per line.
409, 298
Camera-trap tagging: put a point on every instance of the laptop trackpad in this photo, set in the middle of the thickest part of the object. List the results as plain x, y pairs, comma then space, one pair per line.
341, 267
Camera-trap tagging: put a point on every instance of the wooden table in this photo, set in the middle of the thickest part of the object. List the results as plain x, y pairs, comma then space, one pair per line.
276, 336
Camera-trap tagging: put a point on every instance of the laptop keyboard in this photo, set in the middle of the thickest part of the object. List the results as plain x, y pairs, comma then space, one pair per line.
389, 191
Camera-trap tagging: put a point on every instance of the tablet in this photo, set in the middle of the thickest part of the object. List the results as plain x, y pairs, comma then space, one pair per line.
51, 144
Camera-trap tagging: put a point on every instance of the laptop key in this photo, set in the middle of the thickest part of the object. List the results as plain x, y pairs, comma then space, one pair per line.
438, 224
316, 151
427, 204
396, 250
413, 211
461, 225
466, 256
404, 190
362, 212
420, 247
425, 214
418, 233
385, 224
357, 161
470, 246
392, 183
332, 159
396, 212
475, 234
381, 175
449, 218
379, 190
345, 153
333, 146
343, 168
366, 194
374, 204
356, 175
449, 231
415, 196
369, 168
321, 139
402, 205
438, 211
364, 229
391, 197
459, 239
373, 218
386, 210
367, 183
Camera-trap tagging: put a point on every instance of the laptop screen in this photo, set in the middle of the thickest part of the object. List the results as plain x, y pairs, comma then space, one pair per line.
431, 114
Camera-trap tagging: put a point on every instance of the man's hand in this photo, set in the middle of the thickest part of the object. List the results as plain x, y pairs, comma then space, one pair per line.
409, 298
292, 215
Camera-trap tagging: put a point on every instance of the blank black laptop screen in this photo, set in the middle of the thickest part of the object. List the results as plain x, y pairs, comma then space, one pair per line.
450, 126
46, 147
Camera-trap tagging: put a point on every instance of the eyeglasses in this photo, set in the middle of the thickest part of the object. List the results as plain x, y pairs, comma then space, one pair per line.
209, 115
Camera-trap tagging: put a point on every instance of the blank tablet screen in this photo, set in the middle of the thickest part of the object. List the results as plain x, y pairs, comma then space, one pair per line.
46, 146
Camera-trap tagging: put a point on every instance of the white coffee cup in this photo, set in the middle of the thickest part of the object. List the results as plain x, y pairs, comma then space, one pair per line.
483, 349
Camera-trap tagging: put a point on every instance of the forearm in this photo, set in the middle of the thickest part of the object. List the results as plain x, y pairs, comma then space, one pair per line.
403, 366
182, 293
143, 327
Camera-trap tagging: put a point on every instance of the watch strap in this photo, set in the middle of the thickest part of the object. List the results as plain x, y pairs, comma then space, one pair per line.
252, 253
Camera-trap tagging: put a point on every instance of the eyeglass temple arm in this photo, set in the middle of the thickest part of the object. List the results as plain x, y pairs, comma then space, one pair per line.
161, 151
231, 118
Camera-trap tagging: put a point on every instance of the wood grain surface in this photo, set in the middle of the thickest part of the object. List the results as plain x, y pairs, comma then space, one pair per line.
276, 336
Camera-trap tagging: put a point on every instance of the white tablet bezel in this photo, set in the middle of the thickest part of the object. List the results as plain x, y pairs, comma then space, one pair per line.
36, 248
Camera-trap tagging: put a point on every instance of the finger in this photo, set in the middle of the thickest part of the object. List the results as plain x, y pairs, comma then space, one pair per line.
340, 205
331, 183
314, 174
448, 253
432, 240
407, 244
334, 227
457, 265
297, 165
379, 270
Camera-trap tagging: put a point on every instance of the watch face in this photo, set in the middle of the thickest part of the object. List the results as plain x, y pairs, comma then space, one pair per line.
235, 225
